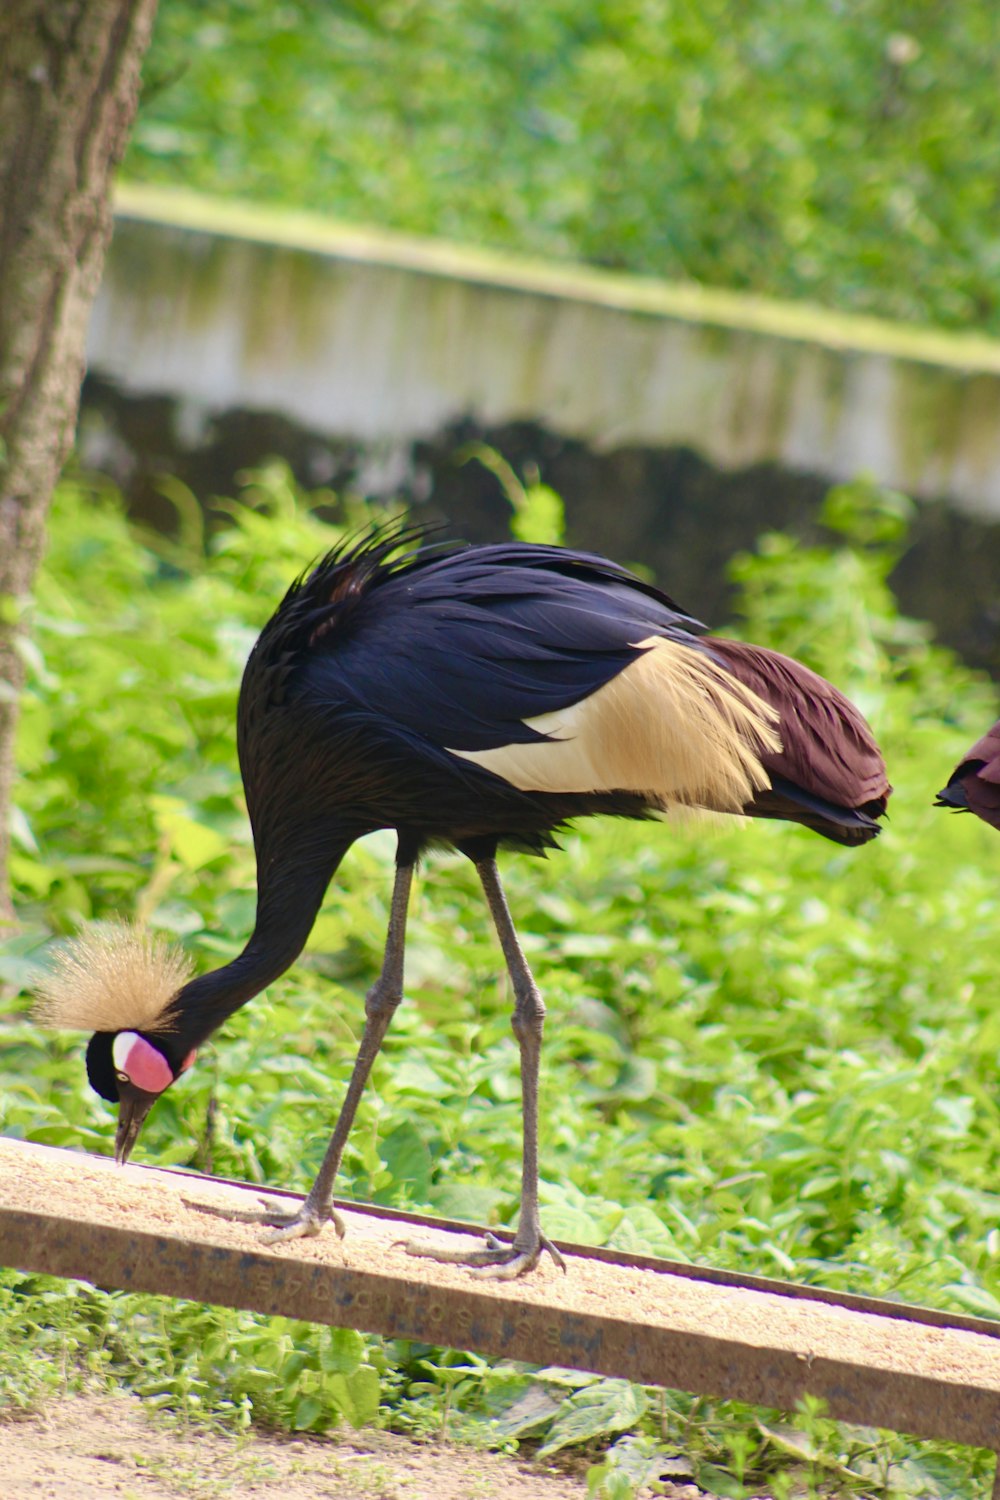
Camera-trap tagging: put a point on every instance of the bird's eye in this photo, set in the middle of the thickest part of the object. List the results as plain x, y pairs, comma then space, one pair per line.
123, 1078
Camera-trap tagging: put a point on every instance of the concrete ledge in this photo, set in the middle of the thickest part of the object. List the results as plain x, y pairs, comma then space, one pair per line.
691, 302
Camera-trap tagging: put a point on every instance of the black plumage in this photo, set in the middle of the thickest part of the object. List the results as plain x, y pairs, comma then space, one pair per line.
480, 698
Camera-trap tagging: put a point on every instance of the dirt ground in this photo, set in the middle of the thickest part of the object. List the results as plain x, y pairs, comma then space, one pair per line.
91, 1447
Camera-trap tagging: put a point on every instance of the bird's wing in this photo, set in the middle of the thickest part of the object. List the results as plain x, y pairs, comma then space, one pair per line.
478, 569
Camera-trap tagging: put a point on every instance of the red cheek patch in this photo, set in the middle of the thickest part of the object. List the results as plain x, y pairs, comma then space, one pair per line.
143, 1065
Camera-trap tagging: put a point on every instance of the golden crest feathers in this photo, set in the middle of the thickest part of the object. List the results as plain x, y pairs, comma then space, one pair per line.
111, 977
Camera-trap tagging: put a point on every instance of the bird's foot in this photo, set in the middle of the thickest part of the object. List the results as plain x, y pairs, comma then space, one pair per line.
304, 1223
286, 1225
497, 1261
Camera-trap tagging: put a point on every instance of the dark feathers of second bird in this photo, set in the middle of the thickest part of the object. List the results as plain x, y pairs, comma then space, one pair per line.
974, 785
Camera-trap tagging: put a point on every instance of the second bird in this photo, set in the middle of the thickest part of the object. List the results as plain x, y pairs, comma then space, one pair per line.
974, 785
479, 698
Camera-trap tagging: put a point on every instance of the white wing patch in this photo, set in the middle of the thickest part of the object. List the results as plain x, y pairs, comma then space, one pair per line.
673, 726
111, 978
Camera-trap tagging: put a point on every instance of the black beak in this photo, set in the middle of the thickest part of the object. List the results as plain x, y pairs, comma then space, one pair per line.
133, 1107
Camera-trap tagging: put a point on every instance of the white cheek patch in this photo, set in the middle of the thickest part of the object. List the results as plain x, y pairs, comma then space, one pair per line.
141, 1063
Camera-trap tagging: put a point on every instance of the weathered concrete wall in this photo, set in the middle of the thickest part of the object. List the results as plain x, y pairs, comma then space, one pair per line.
678, 424
382, 341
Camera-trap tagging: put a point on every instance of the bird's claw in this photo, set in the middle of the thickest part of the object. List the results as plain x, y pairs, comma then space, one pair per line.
497, 1261
302, 1224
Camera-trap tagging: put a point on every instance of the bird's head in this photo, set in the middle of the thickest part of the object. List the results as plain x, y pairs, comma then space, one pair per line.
132, 1071
121, 982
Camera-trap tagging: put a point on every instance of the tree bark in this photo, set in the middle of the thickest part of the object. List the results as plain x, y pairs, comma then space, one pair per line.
69, 83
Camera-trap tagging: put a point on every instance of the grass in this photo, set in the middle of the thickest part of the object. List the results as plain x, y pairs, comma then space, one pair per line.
764, 1052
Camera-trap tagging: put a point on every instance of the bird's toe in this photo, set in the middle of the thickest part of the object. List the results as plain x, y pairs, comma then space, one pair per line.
292, 1229
496, 1260
509, 1268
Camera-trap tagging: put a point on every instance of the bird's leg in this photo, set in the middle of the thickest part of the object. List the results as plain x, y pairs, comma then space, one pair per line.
499, 1260
380, 1006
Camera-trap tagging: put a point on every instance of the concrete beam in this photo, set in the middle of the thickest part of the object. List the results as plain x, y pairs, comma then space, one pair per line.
876, 1363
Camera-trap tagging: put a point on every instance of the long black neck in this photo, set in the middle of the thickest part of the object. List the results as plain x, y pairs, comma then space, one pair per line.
291, 884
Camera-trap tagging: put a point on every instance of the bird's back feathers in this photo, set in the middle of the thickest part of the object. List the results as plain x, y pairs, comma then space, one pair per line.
496, 689
463, 647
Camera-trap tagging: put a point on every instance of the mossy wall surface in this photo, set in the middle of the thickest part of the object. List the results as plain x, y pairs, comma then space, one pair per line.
381, 339
678, 422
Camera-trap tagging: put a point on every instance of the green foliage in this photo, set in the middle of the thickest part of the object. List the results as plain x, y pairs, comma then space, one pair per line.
183, 1357
847, 154
764, 1051
537, 512
608, 1406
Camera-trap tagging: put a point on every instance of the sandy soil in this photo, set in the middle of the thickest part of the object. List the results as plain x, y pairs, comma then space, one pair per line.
91, 1447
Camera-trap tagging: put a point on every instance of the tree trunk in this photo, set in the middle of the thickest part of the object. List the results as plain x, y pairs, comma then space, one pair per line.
69, 83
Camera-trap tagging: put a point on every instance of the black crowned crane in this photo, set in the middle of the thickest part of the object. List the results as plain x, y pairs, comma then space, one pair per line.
476, 697
975, 782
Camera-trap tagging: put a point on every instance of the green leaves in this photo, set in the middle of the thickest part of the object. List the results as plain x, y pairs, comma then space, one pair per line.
794, 150
598, 1410
338, 1384
192, 842
538, 512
